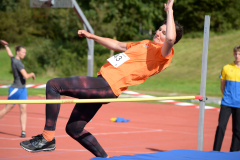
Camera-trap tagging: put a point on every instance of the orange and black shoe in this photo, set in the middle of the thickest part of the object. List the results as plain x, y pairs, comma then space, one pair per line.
38, 144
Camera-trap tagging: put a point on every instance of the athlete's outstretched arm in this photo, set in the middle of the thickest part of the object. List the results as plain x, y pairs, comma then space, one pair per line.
170, 30
5, 44
106, 42
9, 52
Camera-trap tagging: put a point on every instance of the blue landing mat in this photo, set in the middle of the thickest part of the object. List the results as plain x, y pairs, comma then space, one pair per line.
179, 155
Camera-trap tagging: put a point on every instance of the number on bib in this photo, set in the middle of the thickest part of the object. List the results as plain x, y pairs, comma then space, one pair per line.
118, 59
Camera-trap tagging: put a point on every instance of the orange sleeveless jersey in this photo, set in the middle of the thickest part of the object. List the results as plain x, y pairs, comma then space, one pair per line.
145, 60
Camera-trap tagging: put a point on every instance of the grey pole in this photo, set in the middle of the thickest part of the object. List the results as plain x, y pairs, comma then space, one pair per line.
90, 42
203, 82
90, 57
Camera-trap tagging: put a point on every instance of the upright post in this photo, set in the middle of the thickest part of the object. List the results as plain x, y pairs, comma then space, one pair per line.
203, 82
71, 4
90, 56
90, 42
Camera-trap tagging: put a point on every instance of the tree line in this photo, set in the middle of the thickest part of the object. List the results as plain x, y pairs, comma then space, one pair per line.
124, 20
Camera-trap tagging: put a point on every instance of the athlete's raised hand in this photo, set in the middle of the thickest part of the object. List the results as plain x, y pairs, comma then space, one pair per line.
4, 42
169, 5
83, 33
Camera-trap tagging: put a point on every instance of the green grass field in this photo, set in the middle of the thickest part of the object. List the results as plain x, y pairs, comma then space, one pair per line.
182, 77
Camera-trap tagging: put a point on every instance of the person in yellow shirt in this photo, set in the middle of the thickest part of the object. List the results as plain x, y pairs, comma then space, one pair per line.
230, 104
133, 66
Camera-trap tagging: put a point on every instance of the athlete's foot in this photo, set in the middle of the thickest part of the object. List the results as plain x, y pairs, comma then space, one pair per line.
37, 144
23, 135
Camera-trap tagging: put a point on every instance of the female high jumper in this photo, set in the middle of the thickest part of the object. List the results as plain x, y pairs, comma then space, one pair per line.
137, 62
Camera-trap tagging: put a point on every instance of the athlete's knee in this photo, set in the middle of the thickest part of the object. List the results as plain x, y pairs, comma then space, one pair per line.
23, 111
23, 108
9, 107
68, 130
50, 83
51, 86
73, 131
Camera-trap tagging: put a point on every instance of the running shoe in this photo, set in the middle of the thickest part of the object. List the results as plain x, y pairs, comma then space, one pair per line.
37, 144
23, 135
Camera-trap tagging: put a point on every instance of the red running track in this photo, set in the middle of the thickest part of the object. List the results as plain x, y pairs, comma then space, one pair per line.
153, 128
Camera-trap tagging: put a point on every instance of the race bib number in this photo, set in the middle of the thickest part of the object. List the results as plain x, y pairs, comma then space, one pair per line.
118, 59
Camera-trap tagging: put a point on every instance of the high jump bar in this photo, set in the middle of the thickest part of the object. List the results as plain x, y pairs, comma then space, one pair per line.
103, 100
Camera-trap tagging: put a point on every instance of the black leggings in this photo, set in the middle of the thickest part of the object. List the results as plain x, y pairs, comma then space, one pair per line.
82, 88
224, 115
